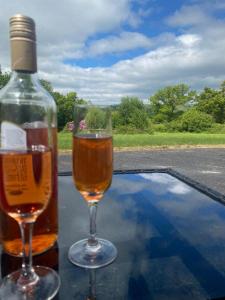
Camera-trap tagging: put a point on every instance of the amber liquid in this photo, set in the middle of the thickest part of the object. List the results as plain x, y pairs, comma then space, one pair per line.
92, 165
46, 226
26, 184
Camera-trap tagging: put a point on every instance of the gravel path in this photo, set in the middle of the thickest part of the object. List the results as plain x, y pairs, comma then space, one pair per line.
206, 166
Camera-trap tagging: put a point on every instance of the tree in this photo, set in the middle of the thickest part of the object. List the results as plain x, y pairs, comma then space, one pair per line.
96, 118
131, 112
212, 102
4, 78
195, 121
65, 105
170, 102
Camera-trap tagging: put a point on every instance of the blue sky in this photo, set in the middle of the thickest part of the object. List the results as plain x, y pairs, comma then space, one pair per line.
105, 49
151, 16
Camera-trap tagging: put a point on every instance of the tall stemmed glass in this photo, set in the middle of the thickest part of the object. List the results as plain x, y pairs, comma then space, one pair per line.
25, 189
92, 174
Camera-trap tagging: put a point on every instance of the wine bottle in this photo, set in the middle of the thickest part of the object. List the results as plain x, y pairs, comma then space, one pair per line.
28, 119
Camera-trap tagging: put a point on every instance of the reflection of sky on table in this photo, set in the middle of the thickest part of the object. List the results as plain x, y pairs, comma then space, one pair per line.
170, 239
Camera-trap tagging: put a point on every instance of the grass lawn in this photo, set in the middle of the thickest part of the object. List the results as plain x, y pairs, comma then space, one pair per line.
156, 139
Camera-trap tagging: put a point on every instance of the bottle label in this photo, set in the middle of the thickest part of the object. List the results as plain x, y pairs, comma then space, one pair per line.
13, 136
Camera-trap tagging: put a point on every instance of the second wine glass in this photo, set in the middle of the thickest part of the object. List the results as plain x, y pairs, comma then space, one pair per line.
92, 173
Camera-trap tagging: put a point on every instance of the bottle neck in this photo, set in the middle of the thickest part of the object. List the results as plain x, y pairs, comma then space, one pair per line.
24, 78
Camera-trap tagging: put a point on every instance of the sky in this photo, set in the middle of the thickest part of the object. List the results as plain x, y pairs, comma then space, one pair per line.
105, 50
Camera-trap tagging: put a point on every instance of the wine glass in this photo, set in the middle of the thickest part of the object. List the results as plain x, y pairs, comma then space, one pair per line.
92, 174
25, 189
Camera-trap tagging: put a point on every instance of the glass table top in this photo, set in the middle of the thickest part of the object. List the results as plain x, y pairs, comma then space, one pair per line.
170, 239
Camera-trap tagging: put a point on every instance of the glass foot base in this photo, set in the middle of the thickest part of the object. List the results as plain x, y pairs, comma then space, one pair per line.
92, 257
45, 287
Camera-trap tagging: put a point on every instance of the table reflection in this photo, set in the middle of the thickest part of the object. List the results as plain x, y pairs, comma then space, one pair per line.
50, 258
92, 285
170, 239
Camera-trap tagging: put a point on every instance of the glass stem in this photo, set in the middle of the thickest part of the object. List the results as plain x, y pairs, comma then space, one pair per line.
28, 275
92, 241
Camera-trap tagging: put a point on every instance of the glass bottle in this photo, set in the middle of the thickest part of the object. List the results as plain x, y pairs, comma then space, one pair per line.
28, 116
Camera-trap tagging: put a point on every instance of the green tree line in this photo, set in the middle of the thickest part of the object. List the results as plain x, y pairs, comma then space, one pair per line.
172, 108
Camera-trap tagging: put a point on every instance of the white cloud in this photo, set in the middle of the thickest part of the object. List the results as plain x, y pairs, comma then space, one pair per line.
160, 178
189, 39
126, 41
180, 189
188, 15
167, 183
180, 62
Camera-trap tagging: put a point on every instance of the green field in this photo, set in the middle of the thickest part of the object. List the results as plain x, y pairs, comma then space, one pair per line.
156, 139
